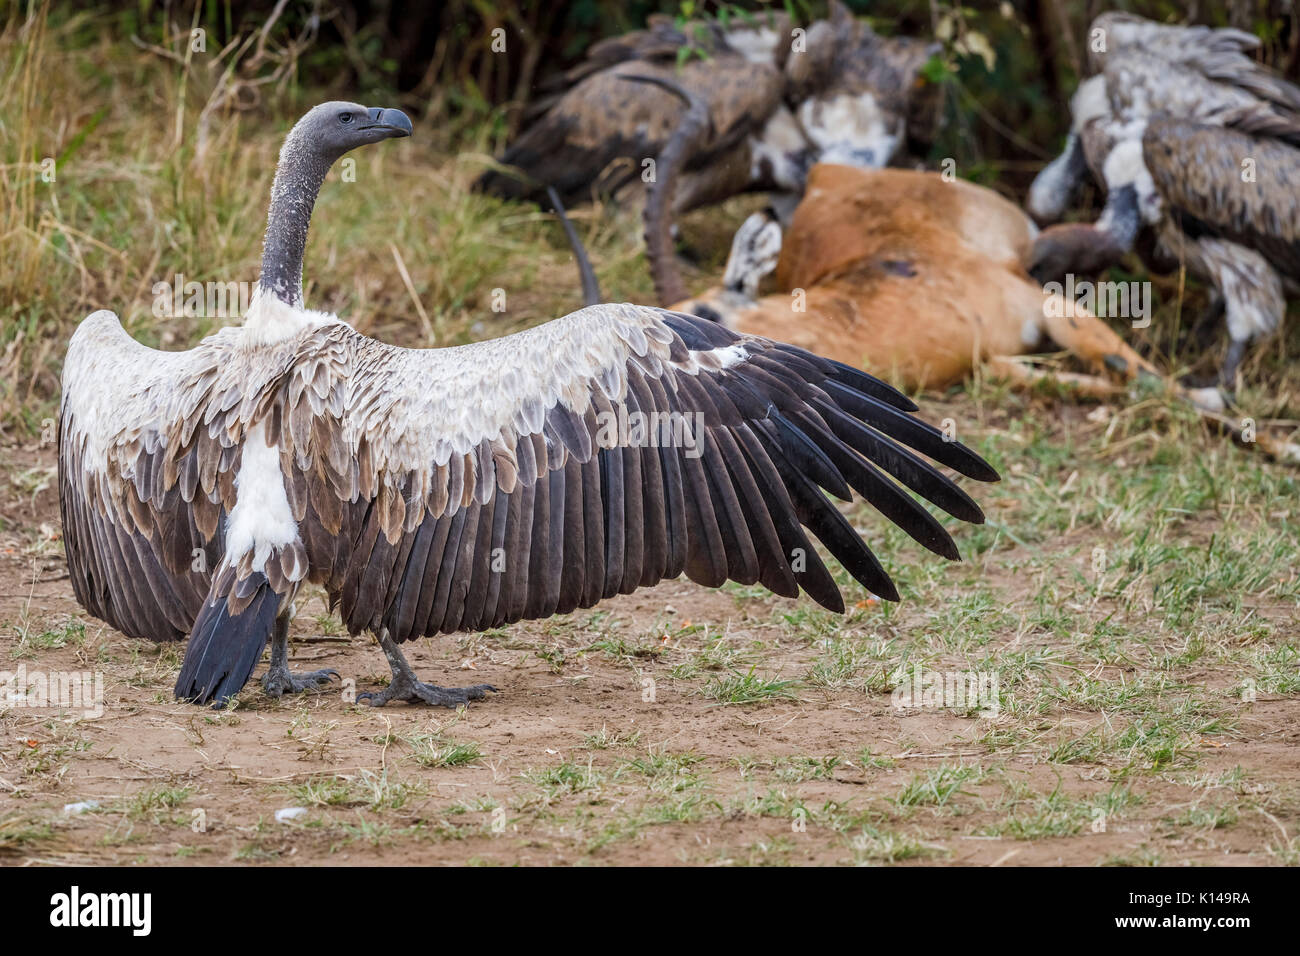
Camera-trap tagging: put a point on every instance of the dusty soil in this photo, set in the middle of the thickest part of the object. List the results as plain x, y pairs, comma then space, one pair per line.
572, 761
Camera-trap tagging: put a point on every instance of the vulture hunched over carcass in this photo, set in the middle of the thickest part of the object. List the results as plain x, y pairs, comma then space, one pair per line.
1198, 149
439, 490
778, 102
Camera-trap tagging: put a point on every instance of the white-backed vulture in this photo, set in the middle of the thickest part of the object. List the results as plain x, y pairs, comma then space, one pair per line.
438, 490
1137, 67
1196, 146
844, 93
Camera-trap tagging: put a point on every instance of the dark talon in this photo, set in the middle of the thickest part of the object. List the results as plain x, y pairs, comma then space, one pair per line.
405, 686
417, 692
279, 680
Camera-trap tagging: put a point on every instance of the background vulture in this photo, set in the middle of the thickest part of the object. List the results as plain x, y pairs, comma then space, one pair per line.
1197, 143
775, 106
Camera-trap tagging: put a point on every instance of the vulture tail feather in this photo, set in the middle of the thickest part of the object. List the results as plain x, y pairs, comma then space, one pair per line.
224, 648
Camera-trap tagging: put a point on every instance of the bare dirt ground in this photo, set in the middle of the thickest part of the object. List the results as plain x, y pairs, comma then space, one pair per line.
677, 725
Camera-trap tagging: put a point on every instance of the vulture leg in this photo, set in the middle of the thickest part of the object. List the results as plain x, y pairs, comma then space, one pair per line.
406, 686
1236, 352
1201, 337
1254, 298
278, 679
1204, 332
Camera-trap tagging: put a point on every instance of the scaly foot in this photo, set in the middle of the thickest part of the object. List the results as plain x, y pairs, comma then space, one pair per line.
279, 681
414, 692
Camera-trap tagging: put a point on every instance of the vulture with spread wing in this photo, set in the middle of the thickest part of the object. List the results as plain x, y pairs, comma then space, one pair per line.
432, 491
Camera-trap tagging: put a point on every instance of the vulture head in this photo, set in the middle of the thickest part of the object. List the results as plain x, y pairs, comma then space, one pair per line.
860, 97
332, 129
755, 251
1132, 201
314, 144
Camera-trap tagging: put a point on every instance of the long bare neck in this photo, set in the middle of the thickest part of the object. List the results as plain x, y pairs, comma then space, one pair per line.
298, 178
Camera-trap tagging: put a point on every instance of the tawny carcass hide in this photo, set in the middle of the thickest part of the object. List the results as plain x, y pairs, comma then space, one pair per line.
906, 275
920, 280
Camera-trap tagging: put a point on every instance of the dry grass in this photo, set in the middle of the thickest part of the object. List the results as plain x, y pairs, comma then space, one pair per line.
157, 173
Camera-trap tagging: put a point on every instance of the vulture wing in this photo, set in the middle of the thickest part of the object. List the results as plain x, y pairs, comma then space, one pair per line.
1222, 55
465, 488
658, 42
596, 135
1198, 171
149, 446
1140, 85
662, 42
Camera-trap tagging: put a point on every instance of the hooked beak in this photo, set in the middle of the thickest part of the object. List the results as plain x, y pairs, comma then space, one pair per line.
393, 123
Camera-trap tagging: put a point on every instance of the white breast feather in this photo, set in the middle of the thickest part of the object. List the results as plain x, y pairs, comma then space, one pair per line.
261, 518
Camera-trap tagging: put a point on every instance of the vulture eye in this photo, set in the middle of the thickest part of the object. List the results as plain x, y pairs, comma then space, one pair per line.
345, 118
